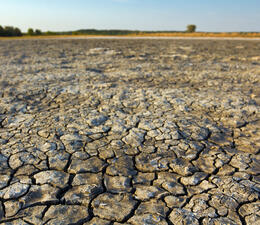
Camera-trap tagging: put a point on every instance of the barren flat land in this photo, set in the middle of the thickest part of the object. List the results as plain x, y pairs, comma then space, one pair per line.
103, 131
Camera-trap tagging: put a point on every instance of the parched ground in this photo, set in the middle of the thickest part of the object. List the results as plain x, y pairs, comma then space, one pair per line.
129, 132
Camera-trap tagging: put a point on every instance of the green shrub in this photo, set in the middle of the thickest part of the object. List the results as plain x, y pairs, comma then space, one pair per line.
50, 33
1, 31
9, 31
191, 28
30, 32
75, 33
17, 32
38, 32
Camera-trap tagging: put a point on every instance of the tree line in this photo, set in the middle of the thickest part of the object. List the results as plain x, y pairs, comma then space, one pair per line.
10, 31
32, 32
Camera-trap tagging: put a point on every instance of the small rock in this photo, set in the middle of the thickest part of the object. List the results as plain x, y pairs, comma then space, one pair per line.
11, 208
119, 127
199, 133
22, 158
65, 214
59, 161
199, 206
220, 220
202, 187
148, 192
182, 167
3, 163
154, 133
194, 179
134, 138
14, 191
32, 215
44, 133
175, 135
72, 142
97, 221
122, 166
3, 180
40, 194
113, 207
155, 207
97, 120
82, 194
117, 184
249, 210
53, 177
146, 125
153, 162
174, 201
85, 186
49, 146
147, 218
182, 216
93, 164
226, 170
87, 179
143, 178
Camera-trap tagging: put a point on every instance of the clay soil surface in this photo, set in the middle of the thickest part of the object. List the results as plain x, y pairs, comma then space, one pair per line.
100, 131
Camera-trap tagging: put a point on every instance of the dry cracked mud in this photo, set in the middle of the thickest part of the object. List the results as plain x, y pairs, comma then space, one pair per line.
129, 132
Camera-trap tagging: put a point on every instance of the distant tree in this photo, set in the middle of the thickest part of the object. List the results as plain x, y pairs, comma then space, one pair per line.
50, 33
30, 32
9, 31
191, 28
1, 31
75, 33
38, 32
17, 32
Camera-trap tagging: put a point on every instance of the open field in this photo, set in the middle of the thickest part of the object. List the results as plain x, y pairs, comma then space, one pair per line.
85, 37
233, 35
100, 131
204, 34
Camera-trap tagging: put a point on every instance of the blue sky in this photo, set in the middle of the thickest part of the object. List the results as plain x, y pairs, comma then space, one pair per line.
61, 15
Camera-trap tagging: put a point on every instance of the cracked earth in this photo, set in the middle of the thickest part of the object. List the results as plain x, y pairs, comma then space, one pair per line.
129, 132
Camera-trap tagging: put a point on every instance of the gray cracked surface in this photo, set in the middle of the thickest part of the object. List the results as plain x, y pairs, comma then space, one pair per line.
129, 132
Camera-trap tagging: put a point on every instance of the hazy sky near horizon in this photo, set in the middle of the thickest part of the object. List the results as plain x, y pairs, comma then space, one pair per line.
65, 15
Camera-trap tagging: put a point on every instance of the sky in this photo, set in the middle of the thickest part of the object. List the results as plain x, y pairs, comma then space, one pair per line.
68, 15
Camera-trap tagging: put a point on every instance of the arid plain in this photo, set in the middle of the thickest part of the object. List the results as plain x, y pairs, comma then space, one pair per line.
129, 132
